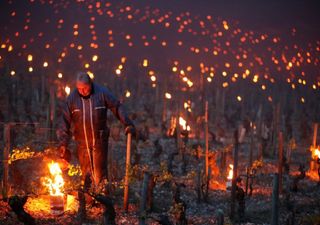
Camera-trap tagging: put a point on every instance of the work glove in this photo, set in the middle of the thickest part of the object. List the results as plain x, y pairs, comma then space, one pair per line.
130, 129
65, 153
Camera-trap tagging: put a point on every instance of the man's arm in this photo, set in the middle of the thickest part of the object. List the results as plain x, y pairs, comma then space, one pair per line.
117, 108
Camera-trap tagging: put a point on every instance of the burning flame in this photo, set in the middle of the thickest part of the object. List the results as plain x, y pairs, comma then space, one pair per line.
230, 174
67, 90
315, 152
55, 182
183, 123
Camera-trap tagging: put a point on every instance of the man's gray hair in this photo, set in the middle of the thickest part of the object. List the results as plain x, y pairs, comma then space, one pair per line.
84, 77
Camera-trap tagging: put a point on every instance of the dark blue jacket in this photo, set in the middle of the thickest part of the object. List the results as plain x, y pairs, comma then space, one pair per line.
101, 99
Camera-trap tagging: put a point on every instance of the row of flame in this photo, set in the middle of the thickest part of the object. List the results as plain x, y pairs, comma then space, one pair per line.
55, 183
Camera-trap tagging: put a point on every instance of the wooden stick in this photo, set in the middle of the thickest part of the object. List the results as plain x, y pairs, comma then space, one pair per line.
280, 161
235, 174
164, 111
126, 179
250, 157
275, 200
198, 181
315, 133
6, 151
207, 141
143, 200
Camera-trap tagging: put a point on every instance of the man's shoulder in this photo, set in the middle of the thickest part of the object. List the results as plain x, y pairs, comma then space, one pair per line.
100, 88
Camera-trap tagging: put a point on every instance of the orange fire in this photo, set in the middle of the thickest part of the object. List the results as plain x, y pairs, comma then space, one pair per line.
230, 174
183, 123
315, 153
55, 182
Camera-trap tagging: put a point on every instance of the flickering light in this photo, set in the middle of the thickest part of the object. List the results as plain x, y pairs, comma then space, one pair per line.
153, 78
167, 95
91, 75
174, 69
209, 79
60, 75
118, 71
128, 94
12, 73
30, 69
239, 98
190, 83
94, 58
302, 100
87, 65
67, 90
145, 63
30, 58
45, 64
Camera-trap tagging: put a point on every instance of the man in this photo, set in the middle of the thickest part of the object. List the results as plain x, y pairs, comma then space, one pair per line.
85, 115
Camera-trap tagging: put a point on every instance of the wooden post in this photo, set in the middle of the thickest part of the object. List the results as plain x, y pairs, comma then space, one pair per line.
313, 166
207, 140
7, 142
52, 112
250, 158
315, 133
235, 173
198, 181
126, 179
276, 128
179, 141
143, 200
164, 111
223, 102
275, 200
280, 161
220, 217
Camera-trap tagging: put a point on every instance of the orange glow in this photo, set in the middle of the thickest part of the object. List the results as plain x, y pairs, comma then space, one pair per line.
145, 63
168, 95
30, 58
67, 90
230, 173
128, 94
55, 182
183, 123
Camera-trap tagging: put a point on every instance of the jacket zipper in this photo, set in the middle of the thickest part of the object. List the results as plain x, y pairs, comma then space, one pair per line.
86, 137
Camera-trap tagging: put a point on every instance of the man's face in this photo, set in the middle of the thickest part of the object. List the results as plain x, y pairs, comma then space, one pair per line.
84, 89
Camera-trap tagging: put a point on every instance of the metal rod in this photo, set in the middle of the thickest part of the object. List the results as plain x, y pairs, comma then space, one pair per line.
126, 179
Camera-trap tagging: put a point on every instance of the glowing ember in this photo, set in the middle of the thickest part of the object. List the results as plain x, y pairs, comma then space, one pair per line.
55, 182
315, 152
168, 95
183, 123
67, 90
230, 174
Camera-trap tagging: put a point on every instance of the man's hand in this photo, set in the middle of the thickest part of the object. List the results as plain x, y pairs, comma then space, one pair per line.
65, 153
130, 129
